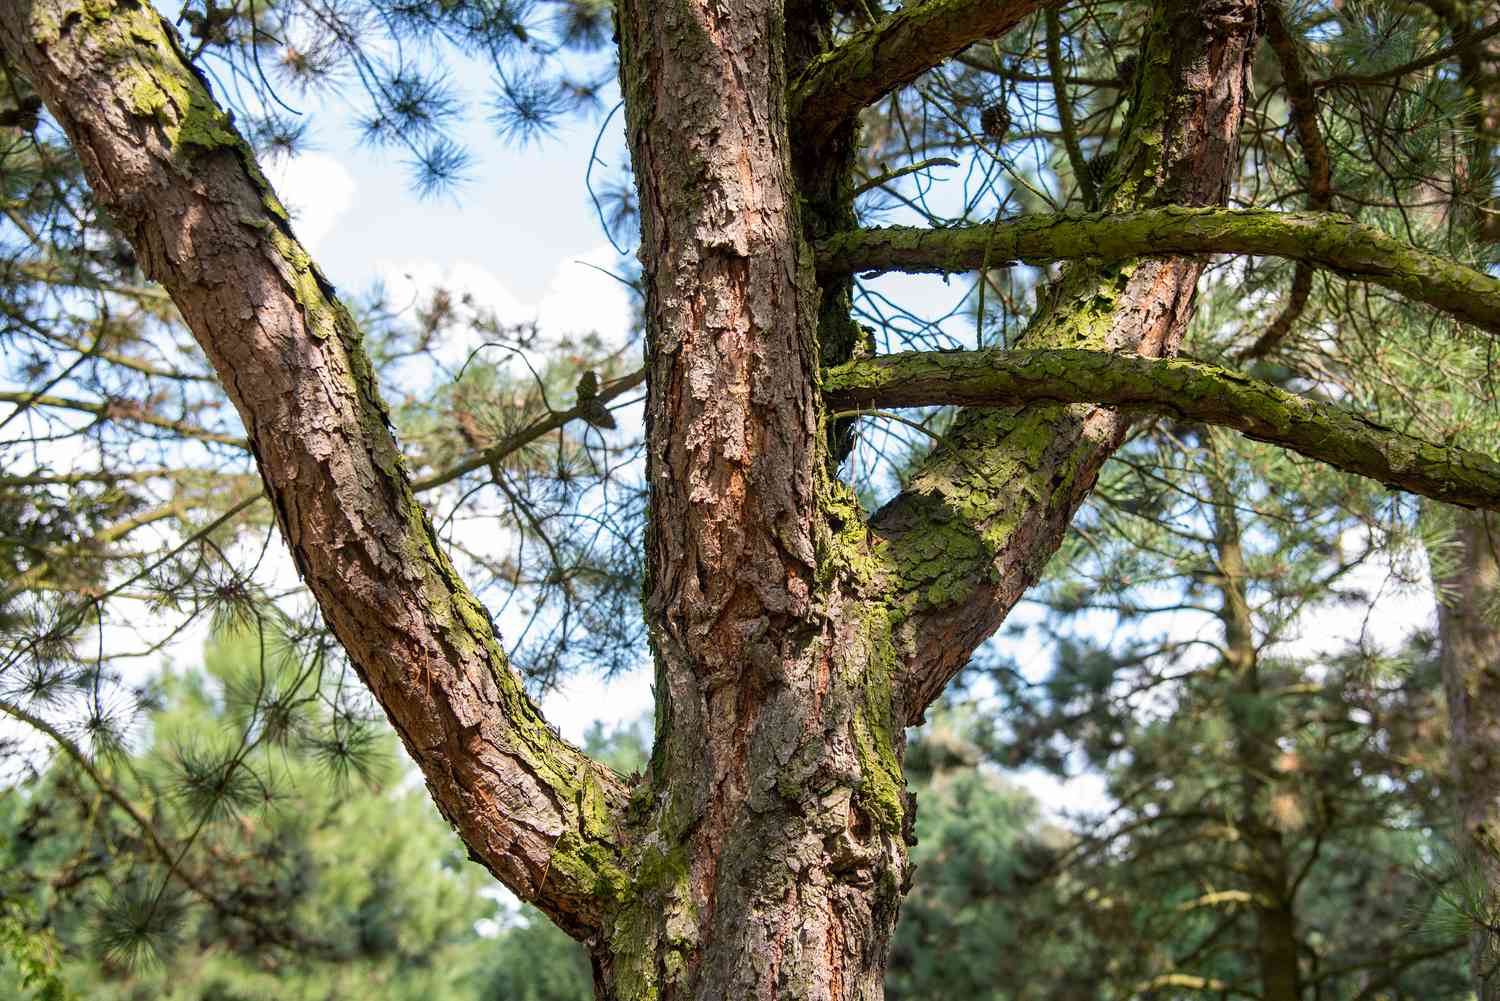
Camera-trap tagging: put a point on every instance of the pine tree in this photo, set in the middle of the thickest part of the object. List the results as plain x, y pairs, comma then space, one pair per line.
793, 634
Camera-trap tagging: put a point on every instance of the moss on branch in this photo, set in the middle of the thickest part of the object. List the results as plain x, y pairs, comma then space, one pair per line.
1329, 241
890, 54
1187, 389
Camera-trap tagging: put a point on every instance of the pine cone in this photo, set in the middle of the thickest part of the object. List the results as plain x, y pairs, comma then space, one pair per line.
1100, 167
995, 120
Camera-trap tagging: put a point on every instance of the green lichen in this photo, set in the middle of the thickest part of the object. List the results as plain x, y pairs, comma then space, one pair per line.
654, 935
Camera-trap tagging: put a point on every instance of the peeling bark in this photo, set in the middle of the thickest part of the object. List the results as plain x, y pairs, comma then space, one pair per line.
765, 854
775, 856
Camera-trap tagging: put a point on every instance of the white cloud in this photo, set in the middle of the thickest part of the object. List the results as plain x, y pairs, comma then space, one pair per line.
579, 299
316, 189
582, 298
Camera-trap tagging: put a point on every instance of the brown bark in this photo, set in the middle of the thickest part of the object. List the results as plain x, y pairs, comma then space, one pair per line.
1468, 589
780, 866
171, 172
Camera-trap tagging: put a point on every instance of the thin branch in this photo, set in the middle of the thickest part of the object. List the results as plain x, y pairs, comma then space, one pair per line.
153, 836
1304, 104
1396, 72
1064, 107
531, 433
892, 53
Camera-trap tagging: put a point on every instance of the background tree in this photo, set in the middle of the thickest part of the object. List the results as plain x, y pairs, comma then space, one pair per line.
1259, 791
793, 636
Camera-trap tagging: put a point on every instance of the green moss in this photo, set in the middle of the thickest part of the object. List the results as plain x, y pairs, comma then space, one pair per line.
877, 731
587, 863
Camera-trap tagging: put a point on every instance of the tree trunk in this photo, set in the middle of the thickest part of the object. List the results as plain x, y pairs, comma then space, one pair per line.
791, 646
776, 858
1468, 589
1256, 730
765, 853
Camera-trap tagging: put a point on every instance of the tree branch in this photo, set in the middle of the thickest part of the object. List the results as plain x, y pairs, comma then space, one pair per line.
890, 54
525, 436
1420, 63
1330, 241
167, 164
980, 518
1304, 105
1187, 389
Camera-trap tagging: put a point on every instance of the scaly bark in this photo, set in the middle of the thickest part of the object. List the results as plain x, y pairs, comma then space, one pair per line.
775, 857
171, 171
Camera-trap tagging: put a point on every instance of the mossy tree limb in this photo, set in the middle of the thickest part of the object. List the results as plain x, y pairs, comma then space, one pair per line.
833, 89
1178, 387
1334, 242
168, 166
983, 514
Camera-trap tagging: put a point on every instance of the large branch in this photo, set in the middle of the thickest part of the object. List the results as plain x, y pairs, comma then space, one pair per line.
1330, 241
982, 515
890, 54
175, 176
1176, 386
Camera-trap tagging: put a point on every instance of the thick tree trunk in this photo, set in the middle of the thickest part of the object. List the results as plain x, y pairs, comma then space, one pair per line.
776, 807
792, 647
1469, 631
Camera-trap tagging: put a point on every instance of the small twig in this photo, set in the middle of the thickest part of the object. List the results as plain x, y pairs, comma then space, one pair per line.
886, 178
